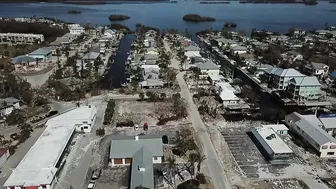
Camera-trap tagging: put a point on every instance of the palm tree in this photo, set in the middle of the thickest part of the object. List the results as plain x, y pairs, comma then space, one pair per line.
58, 53
200, 158
192, 160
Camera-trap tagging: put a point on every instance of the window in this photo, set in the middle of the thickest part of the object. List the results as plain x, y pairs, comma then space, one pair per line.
332, 147
86, 127
325, 147
155, 158
330, 153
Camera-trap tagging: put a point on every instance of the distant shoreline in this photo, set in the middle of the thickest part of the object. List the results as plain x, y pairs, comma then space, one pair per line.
81, 2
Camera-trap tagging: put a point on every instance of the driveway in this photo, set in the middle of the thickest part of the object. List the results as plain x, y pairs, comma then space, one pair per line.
212, 163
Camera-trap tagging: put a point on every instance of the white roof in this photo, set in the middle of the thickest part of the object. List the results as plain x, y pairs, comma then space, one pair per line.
192, 54
39, 165
76, 116
216, 77
227, 92
277, 127
270, 144
287, 72
328, 122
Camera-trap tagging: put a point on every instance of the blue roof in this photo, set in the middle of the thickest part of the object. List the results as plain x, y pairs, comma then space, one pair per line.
333, 74
22, 59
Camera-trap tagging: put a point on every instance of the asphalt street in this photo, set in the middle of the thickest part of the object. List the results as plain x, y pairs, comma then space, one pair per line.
212, 163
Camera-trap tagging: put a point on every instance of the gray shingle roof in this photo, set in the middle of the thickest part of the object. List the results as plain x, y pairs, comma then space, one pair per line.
306, 81
192, 48
142, 169
22, 59
41, 51
127, 146
318, 65
91, 56
287, 72
207, 66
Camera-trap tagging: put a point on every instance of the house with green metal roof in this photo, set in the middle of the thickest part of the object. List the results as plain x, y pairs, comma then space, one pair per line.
304, 88
42, 54
141, 152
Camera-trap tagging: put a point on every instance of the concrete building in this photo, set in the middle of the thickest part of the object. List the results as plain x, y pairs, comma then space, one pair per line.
123, 148
304, 88
7, 105
76, 29
309, 127
20, 38
39, 168
4, 155
273, 147
82, 118
42, 54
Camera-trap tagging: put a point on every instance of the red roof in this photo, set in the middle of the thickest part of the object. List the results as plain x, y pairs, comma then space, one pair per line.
3, 151
31, 187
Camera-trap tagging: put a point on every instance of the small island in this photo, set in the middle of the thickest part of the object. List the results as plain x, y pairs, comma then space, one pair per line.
230, 25
197, 18
120, 27
118, 17
74, 12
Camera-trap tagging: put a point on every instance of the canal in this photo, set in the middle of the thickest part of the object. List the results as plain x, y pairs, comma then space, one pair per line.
116, 75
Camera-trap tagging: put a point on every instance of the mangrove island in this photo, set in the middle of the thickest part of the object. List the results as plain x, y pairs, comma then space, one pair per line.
118, 17
197, 18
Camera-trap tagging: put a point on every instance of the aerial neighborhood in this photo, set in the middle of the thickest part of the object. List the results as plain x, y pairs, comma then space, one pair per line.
99, 107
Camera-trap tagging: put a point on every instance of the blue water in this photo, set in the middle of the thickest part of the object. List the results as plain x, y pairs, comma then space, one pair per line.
277, 17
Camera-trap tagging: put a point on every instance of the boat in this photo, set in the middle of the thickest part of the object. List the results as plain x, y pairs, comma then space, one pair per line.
173, 1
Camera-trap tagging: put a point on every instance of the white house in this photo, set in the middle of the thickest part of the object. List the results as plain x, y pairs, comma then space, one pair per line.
318, 69
275, 38
7, 105
76, 29
297, 32
226, 93
238, 50
83, 118
208, 68
192, 51
123, 148
309, 128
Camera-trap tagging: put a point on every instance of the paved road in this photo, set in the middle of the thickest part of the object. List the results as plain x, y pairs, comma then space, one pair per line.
212, 163
15, 159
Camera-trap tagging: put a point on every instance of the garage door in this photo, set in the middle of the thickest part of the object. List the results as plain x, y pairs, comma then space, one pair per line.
117, 160
128, 160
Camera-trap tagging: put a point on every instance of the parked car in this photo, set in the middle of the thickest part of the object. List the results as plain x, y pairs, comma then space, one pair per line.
95, 174
91, 185
14, 136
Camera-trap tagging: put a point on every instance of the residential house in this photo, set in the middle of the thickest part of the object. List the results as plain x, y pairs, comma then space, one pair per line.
4, 155
151, 58
64, 40
292, 56
226, 94
208, 68
149, 42
124, 147
304, 88
226, 43
317, 69
7, 105
152, 50
280, 77
196, 60
110, 34
192, 51
276, 38
42, 54
309, 128
216, 79
76, 29
151, 79
297, 32
238, 50
23, 62
91, 57
321, 32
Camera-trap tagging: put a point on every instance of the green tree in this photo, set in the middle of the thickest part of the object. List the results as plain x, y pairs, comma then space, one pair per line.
25, 130
172, 171
141, 96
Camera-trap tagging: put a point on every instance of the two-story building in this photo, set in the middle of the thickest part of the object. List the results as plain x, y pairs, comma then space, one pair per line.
304, 88
76, 29
317, 69
280, 77
208, 68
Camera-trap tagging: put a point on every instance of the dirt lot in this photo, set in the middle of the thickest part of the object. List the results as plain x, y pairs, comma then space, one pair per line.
279, 184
